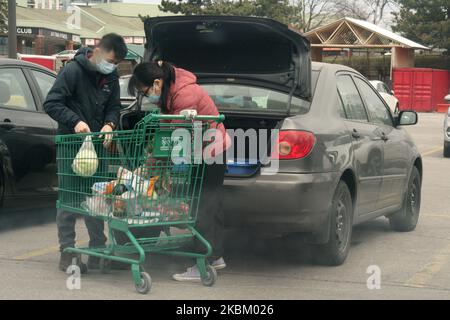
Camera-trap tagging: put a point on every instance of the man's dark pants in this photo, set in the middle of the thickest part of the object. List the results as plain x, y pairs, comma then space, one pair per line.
66, 229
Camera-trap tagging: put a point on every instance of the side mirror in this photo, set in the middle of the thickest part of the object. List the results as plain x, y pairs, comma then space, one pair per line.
407, 118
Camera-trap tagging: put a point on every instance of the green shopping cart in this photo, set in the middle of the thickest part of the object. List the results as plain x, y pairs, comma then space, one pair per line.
148, 178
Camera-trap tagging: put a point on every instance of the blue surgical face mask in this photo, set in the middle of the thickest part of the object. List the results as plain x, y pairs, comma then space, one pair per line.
106, 67
153, 98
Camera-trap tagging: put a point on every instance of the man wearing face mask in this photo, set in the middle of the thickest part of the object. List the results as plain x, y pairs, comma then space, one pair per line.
86, 98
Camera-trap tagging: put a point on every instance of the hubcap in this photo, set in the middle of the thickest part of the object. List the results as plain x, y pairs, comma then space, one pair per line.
413, 197
341, 228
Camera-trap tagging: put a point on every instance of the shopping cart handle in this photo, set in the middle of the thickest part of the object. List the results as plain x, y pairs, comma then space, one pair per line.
220, 118
156, 117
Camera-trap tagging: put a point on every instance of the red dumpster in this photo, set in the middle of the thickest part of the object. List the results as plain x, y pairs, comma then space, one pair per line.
420, 89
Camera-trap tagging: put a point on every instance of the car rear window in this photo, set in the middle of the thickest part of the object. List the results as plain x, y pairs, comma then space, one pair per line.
234, 97
247, 98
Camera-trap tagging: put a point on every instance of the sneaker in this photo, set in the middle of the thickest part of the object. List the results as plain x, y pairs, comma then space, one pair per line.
68, 259
193, 274
219, 264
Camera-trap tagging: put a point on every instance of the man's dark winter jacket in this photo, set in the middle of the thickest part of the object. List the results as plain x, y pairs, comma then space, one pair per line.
82, 94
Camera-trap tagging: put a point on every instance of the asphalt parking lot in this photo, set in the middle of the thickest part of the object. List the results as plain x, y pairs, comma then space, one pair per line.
413, 265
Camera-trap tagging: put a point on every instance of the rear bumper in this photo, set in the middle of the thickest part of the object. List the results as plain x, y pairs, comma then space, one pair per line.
281, 203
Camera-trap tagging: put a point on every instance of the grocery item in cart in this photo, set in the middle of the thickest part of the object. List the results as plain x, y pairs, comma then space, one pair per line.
104, 188
85, 163
126, 205
97, 205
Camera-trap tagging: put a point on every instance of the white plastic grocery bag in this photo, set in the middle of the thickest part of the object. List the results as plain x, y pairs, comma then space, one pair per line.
85, 163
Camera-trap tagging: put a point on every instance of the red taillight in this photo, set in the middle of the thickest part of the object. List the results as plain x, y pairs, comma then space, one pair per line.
293, 145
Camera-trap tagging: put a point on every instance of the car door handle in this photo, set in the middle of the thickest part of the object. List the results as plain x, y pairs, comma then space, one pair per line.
7, 124
355, 134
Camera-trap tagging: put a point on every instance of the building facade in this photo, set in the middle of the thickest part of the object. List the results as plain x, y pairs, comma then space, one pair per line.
46, 31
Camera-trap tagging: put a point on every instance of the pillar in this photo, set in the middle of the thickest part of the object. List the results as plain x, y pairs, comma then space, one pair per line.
402, 57
38, 44
316, 54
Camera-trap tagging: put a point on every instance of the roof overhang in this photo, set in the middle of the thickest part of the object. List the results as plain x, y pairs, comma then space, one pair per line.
354, 33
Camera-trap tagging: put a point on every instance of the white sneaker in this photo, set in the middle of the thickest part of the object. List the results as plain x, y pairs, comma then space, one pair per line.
193, 274
219, 264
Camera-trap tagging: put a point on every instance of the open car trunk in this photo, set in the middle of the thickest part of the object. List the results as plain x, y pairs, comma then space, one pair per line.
257, 71
238, 49
246, 156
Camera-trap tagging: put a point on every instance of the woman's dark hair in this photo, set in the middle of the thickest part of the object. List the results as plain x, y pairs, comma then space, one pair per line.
144, 74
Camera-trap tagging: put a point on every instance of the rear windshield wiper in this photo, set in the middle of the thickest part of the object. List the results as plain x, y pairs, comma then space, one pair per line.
291, 93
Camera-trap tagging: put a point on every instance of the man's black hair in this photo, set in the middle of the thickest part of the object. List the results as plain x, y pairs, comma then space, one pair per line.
114, 42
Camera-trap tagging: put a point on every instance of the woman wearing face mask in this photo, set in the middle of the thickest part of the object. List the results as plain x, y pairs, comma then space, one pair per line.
174, 90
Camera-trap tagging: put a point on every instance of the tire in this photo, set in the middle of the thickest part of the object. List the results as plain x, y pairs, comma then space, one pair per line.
446, 149
145, 285
405, 220
211, 277
335, 251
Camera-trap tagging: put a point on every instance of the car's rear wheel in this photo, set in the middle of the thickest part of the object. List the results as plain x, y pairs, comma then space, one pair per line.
447, 149
406, 219
335, 251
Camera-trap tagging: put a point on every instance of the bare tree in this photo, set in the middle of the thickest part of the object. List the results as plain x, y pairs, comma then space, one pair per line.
309, 14
369, 10
3, 16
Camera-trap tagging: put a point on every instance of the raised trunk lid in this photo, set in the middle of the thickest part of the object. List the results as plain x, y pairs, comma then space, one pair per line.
235, 49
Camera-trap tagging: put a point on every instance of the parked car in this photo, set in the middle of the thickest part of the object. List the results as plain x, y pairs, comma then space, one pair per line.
27, 149
345, 158
447, 130
387, 94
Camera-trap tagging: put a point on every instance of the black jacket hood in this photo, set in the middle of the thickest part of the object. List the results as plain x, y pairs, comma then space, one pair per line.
80, 93
82, 58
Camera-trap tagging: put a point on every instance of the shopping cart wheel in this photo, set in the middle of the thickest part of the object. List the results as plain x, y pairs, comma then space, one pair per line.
211, 276
105, 265
145, 285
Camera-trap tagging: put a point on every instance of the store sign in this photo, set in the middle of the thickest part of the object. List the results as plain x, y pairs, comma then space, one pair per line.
76, 39
25, 30
56, 34
91, 42
139, 40
128, 39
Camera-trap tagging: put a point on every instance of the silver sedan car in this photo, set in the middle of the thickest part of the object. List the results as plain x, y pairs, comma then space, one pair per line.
447, 131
